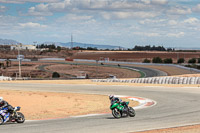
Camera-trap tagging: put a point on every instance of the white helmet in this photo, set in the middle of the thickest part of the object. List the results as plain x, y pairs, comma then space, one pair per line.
111, 97
1, 99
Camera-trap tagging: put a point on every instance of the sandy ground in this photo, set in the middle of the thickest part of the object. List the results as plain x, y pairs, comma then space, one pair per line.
47, 105
190, 75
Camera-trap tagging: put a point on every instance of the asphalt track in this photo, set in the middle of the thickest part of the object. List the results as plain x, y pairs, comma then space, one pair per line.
149, 72
175, 107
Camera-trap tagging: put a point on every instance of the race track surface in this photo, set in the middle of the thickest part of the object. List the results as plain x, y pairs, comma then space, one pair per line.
175, 107
149, 72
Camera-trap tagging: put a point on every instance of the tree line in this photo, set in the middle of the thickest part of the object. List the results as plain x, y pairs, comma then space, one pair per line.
136, 48
151, 48
170, 61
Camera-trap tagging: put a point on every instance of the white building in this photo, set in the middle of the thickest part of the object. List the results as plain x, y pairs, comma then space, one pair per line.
23, 47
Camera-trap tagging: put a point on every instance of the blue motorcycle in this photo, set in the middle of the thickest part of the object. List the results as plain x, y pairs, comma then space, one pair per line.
15, 116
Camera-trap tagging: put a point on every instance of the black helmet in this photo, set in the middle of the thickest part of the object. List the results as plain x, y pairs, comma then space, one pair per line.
111, 97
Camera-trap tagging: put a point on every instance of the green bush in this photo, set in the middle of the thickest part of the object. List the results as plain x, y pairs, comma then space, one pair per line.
180, 60
168, 61
198, 60
58, 48
146, 61
193, 66
193, 61
157, 60
55, 75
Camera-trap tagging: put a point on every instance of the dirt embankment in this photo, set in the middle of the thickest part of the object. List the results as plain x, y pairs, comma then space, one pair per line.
134, 56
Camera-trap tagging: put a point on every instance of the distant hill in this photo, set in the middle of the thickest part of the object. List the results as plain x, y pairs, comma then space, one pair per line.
86, 45
83, 45
7, 41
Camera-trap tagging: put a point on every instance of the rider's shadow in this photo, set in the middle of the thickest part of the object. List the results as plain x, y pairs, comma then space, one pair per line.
8, 123
110, 118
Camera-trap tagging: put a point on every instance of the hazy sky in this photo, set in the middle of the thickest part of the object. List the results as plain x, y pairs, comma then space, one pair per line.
170, 23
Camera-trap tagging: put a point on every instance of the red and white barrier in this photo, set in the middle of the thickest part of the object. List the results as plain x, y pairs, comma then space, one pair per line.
143, 102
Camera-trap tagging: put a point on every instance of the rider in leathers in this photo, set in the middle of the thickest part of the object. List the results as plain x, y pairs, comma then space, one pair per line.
113, 99
4, 104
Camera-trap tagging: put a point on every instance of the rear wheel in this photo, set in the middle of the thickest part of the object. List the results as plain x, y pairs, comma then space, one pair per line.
20, 118
116, 113
1, 120
131, 112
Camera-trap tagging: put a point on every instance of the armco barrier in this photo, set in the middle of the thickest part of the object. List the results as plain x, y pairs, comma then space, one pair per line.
2, 78
155, 80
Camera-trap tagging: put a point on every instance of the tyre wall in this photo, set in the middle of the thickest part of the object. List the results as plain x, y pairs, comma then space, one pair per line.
155, 80
2, 78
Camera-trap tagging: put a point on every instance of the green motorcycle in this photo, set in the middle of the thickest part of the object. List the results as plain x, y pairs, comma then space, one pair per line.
119, 110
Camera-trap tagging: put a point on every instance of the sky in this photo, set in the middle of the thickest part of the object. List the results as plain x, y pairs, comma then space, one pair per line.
125, 23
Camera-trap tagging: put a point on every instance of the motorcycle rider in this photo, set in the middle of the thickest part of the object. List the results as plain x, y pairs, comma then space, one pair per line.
4, 104
116, 99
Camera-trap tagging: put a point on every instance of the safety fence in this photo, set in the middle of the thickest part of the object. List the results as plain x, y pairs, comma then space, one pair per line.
155, 80
2, 78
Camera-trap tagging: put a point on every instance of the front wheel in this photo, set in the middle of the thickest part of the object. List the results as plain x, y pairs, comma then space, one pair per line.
20, 118
116, 113
131, 112
1, 120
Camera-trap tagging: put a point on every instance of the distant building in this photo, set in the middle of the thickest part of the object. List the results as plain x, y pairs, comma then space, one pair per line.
43, 49
23, 47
